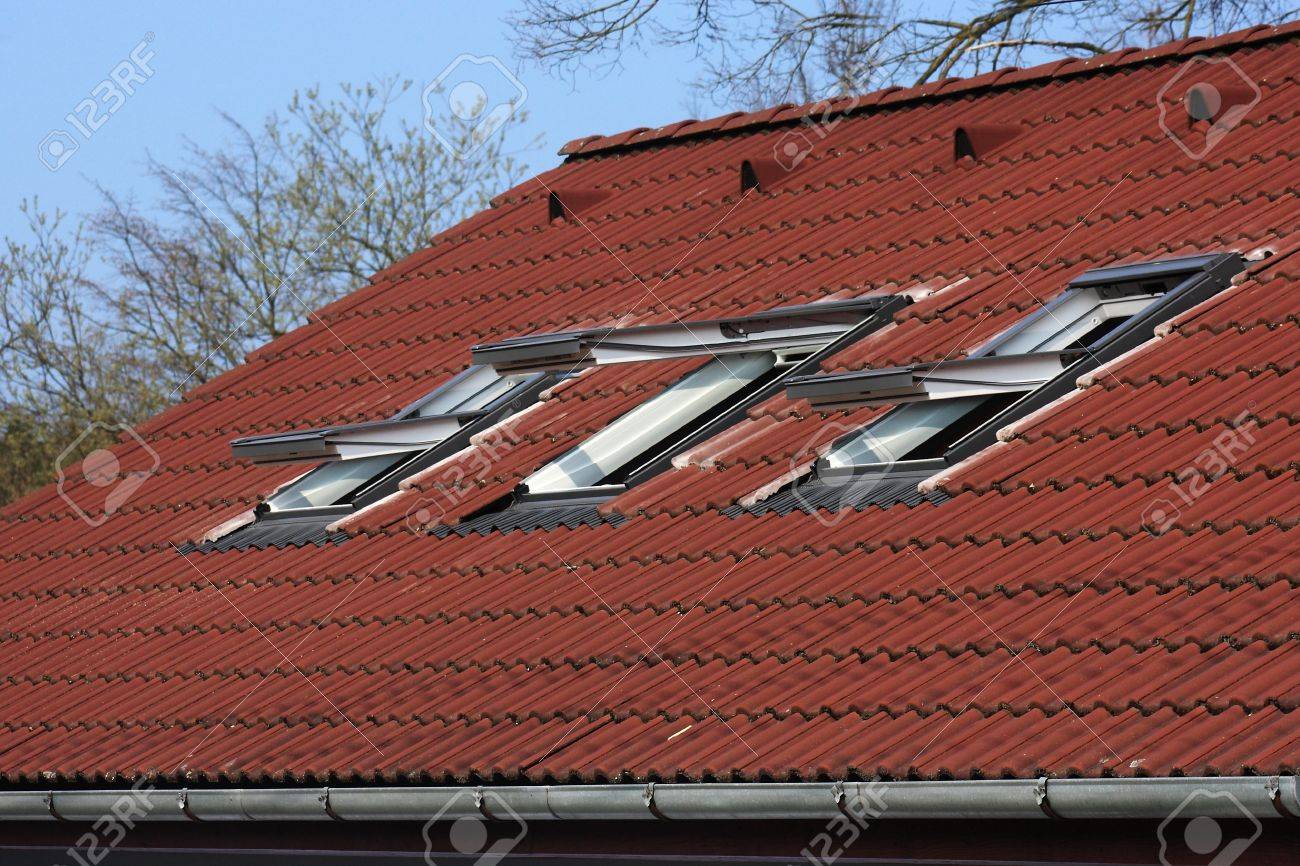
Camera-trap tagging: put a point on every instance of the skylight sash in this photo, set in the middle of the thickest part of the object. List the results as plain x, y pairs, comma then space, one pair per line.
654, 421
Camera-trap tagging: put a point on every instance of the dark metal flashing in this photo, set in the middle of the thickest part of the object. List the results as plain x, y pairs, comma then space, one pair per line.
1195, 279
281, 532
530, 518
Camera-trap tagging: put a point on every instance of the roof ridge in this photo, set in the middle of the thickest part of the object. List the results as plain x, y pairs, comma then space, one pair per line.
999, 78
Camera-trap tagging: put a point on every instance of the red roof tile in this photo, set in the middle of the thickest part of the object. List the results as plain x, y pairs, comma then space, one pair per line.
1029, 624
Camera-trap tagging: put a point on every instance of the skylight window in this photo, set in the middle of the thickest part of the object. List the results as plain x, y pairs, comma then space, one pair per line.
654, 426
362, 462
1077, 320
746, 360
946, 411
335, 483
915, 432
473, 390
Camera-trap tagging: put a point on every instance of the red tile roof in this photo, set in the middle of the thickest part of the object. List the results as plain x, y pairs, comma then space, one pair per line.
1030, 624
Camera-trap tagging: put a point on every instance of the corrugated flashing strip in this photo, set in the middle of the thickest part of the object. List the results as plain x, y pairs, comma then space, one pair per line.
528, 519
1017, 799
284, 532
805, 325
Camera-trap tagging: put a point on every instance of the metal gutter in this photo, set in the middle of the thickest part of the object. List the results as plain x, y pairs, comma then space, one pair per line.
1037, 799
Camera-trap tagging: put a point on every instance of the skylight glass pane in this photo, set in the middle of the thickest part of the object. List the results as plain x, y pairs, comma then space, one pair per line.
651, 423
470, 391
900, 432
331, 483
1064, 322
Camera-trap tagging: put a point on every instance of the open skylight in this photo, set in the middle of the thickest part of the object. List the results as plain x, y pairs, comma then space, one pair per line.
947, 410
786, 329
364, 461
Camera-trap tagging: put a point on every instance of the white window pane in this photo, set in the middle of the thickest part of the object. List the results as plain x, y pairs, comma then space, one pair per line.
650, 423
472, 390
900, 432
332, 482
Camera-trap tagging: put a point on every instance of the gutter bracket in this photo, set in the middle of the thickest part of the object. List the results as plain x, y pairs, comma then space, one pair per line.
1040, 797
1273, 785
183, 803
480, 802
325, 804
649, 798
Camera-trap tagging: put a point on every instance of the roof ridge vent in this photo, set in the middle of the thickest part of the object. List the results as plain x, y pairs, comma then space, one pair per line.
979, 140
568, 204
761, 173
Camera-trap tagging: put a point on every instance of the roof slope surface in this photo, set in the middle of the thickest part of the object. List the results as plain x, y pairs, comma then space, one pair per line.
1031, 623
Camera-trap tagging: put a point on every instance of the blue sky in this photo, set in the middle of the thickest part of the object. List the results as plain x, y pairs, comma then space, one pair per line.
247, 58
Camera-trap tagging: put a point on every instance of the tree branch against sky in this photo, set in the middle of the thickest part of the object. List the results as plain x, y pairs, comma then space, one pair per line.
107, 317
761, 52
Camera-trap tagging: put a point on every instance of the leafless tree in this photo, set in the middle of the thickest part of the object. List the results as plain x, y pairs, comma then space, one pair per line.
761, 52
108, 317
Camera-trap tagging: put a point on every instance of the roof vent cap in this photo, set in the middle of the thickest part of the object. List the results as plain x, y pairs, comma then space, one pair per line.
978, 141
570, 204
761, 173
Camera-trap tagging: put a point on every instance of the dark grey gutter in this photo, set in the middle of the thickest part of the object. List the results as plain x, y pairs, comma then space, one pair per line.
1066, 799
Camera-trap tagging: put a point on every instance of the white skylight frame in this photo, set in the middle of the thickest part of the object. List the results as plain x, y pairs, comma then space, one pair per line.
792, 329
1061, 322
419, 426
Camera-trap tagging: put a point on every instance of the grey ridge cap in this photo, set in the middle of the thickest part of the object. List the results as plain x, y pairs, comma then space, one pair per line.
1036, 799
